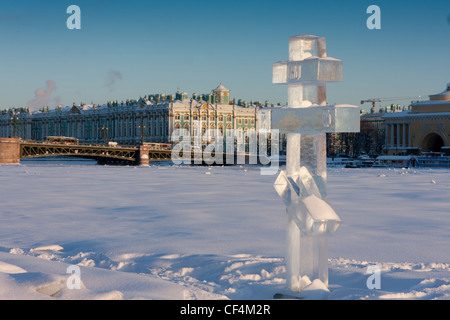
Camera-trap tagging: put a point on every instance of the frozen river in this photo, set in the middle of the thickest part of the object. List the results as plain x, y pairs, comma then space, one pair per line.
218, 232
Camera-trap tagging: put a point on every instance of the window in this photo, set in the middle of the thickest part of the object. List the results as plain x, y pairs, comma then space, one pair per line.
229, 118
186, 117
195, 117
177, 116
245, 121
204, 117
220, 118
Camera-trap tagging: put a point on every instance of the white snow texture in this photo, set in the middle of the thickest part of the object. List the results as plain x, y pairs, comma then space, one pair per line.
175, 233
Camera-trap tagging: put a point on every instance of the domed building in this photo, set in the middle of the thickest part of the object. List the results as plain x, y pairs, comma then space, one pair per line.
423, 129
221, 94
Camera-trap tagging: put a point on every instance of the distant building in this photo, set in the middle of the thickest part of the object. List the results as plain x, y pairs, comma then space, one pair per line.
149, 119
423, 128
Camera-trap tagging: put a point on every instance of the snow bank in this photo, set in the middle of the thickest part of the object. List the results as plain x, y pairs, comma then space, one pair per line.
176, 233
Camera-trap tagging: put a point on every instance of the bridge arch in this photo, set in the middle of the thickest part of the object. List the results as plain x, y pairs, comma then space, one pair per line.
14, 149
101, 154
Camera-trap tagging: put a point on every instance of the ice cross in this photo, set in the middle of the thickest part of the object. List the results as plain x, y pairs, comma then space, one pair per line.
302, 186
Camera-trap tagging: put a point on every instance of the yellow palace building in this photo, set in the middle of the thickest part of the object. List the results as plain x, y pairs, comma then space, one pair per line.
424, 128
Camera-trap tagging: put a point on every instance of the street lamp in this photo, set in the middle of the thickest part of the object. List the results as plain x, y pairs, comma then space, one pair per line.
14, 120
142, 127
105, 130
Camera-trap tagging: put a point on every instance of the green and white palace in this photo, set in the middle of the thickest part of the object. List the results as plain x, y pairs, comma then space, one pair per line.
150, 119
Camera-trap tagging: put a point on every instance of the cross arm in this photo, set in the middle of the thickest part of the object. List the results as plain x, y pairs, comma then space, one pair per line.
318, 119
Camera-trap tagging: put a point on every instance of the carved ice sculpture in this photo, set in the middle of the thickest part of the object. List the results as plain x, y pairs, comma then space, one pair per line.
302, 187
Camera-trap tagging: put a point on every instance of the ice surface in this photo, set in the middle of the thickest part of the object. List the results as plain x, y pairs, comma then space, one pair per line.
292, 257
264, 122
302, 96
279, 72
293, 145
309, 70
305, 46
328, 119
302, 189
308, 182
322, 218
142, 233
282, 187
313, 216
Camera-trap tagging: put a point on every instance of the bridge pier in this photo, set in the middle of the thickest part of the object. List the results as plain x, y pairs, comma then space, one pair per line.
9, 150
144, 159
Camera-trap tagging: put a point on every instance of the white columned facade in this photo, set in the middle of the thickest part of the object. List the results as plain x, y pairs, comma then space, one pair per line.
392, 135
405, 135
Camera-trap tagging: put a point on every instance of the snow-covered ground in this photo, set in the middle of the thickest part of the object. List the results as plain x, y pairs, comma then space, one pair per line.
179, 232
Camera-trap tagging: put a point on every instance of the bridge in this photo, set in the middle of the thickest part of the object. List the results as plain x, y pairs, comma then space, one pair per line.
14, 149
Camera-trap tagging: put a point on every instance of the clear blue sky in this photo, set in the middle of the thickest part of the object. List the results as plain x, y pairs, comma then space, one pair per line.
130, 48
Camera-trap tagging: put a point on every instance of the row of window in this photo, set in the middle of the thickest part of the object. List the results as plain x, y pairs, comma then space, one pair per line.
213, 118
85, 130
212, 131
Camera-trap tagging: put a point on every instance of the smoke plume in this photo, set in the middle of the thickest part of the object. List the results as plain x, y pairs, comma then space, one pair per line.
112, 78
43, 97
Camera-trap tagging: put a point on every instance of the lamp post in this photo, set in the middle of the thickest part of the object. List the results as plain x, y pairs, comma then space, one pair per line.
142, 128
14, 121
104, 131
